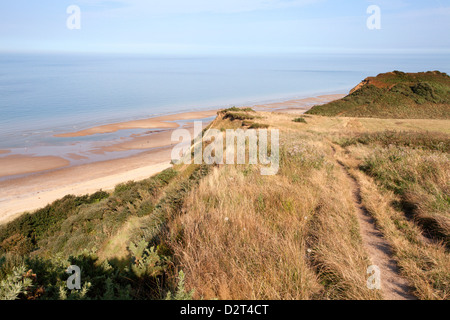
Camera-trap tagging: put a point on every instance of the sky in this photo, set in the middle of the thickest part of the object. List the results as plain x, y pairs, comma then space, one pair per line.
225, 26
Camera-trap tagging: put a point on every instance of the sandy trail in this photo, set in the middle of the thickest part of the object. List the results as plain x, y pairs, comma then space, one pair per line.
393, 286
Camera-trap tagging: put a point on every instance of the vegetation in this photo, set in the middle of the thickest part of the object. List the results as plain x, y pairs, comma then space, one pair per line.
234, 109
433, 141
416, 167
239, 116
227, 232
404, 178
299, 120
299, 238
395, 95
258, 126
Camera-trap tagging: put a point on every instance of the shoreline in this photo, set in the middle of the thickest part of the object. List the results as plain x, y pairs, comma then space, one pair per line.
161, 122
141, 155
27, 194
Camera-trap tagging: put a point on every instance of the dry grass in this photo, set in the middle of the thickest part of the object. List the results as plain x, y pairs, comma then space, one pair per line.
408, 197
290, 236
239, 235
296, 235
425, 264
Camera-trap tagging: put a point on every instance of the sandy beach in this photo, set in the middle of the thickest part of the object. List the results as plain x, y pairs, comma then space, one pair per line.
29, 182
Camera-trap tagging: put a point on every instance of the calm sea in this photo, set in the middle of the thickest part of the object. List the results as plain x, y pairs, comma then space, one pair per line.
41, 95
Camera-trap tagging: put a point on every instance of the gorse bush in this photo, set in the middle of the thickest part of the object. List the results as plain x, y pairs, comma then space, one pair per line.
143, 278
146, 262
16, 283
180, 293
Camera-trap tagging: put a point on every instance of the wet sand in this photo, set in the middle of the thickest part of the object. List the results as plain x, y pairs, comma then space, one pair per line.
151, 123
17, 164
145, 142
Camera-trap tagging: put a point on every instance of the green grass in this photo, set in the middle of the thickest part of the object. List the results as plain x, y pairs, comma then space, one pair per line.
395, 95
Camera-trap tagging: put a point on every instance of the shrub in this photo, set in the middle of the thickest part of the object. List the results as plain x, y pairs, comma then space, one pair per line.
300, 120
15, 284
238, 116
234, 109
180, 293
259, 126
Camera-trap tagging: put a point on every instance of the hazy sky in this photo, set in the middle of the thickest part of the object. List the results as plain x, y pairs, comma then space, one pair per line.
225, 26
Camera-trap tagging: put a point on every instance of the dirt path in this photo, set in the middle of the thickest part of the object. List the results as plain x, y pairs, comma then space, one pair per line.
393, 286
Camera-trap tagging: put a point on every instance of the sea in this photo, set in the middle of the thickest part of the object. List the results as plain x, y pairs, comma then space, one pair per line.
45, 94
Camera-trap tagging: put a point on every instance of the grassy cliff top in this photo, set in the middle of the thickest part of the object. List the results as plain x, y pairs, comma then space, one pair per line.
424, 95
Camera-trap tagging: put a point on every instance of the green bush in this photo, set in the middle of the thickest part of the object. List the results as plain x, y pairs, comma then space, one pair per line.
300, 120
